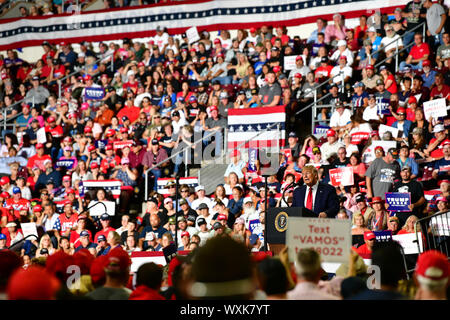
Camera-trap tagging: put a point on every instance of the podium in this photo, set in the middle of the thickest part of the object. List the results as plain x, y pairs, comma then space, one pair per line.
277, 222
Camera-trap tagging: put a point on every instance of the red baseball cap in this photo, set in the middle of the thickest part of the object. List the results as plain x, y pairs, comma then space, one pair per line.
67, 178
37, 208
276, 69
343, 58
213, 108
123, 130
4, 180
221, 217
252, 30
94, 165
118, 260
91, 148
378, 148
110, 132
331, 133
426, 63
185, 233
369, 235
216, 41
369, 67
412, 99
67, 139
298, 75
432, 267
84, 106
66, 202
5, 195
87, 129
401, 110
50, 119
109, 147
33, 283
39, 146
299, 58
141, 64
87, 77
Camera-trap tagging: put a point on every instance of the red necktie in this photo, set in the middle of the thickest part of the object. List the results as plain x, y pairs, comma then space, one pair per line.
309, 200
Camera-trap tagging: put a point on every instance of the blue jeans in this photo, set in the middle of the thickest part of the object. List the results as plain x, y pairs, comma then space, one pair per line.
223, 80
413, 66
157, 174
407, 39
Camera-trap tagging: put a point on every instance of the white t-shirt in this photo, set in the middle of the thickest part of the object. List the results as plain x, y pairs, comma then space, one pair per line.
347, 53
328, 149
338, 120
161, 41
348, 72
386, 42
206, 200
371, 113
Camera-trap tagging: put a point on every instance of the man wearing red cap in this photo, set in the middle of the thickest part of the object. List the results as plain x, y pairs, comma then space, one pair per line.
38, 159
428, 75
299, 68
331, 146
111, 160
402, 123
370, 78
365, 250
432, 276
341, 72
68, 219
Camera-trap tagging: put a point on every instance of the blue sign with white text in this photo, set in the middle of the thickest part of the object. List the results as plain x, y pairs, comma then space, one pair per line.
92, 93
398, 201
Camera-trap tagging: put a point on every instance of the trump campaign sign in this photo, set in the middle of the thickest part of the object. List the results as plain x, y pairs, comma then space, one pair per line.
122, 144
398, 201
342, 176
93, 93
330, 237
435, 108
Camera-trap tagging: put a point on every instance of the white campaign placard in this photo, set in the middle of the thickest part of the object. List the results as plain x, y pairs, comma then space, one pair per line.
192, 35
435, 108
330, 237
409, 242
289, 62
29, 229
383, 128
98, 210
40, 136
369, 153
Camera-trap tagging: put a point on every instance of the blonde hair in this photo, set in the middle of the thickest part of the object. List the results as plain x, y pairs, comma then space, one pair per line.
46, 236
405, 226
357, 215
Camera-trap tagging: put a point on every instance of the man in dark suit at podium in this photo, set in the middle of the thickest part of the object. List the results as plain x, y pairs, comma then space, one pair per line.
318, 197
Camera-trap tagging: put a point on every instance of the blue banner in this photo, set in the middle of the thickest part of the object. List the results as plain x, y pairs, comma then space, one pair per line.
101, 144
255, 227
383, 236
383, 106
398, 201
321, 130
252, 158
68, 163
92, 93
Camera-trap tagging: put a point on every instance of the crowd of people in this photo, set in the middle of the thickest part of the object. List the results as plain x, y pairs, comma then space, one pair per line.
133, 104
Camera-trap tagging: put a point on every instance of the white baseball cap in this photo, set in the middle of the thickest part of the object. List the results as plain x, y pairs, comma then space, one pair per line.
341, 43
198, 188
438, 128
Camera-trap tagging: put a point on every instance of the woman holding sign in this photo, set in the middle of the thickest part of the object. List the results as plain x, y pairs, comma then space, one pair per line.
377, 220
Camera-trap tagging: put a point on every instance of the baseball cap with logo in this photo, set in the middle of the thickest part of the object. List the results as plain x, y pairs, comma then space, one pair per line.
360, 198
393, 152
331, 133
201, 221
438, 128
379, 82
369, 235
217, 225
84, 233
198, 188
16, 190
432, 267
203, 206
105, 217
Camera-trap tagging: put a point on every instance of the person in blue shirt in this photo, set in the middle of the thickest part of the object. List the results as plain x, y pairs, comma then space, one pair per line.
155, 227
103, 247
67, 56
236, 203
259, 64
404, 160
428, 75
360, 98
442, 166
85, 243
321, 25
402, 123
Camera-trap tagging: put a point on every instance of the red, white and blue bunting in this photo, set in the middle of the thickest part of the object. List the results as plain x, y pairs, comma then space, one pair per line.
211, 15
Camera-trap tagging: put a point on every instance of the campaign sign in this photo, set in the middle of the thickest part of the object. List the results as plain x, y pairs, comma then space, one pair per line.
41, 136
383, 128
383, 236
342, 176
383, 106
29, 229
398, 201
331, 238
98, 210
192, 35
321, 130
92, 93
255, 227
252, 158
122, 144
289, 62
101, 144
67, 164
170, 252
435, 108
369, 153
409, 242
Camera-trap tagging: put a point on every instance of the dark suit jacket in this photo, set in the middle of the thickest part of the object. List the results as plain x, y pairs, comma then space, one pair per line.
326, 199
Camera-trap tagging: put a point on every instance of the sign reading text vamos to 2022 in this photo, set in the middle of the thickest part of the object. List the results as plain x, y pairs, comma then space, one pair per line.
330, 237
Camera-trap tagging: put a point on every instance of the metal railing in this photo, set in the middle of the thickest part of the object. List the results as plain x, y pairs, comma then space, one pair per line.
395, 56
435, 233
224, 151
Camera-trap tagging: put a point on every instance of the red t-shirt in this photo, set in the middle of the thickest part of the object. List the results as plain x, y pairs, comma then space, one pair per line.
59, 72
393, 87
51, 53
22, 74
67, 223
131, 112
443, 93
56, 132
133, 86
103, 232
364, 251
38, 161
75, 237
417, 52
17, 206
437, 152
323, 71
